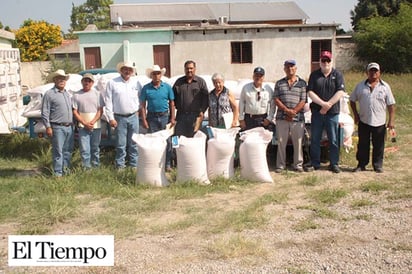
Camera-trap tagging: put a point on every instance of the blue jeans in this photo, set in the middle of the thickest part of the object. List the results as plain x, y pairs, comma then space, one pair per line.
126, 127
329, 122
62, 147
156, 123
89, 143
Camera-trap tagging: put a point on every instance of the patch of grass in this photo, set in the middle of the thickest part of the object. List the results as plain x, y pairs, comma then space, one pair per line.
311, 180
236, 246
305, 225
328, 196
357, 203
321, 212
251, 216
374, 187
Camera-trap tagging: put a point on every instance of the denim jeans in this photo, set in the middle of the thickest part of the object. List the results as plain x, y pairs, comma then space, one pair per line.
89, 143
62, 147
126, 127
329, 122
156, 123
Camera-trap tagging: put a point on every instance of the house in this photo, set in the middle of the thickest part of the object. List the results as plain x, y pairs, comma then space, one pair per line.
231, 38
68, 50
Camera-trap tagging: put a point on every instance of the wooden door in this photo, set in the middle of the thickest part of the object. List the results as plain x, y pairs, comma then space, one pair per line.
161, 57
92, 58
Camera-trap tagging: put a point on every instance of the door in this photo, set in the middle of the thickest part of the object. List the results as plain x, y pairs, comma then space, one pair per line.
161, 57
92, 58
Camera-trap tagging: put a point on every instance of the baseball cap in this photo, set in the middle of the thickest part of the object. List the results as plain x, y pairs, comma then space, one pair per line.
88, 76
259, 70
290, 61
373, 65
326, 54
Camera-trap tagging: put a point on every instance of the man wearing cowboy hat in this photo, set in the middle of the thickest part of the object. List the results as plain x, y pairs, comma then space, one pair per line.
57, 116
157, 99
122, 106
191, 100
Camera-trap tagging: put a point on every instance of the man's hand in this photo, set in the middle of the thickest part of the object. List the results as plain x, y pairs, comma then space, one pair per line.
49, 132
113, 123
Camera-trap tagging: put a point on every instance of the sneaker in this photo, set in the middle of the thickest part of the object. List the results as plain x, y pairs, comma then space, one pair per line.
308, 168
278, 170
335, 169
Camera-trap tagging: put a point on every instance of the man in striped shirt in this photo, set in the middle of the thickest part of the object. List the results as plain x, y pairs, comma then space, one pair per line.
290, 98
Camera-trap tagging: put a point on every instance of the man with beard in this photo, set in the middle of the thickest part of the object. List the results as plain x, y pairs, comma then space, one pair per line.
326, 86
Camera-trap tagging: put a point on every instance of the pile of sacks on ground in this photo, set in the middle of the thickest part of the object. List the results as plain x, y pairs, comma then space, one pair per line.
200, 158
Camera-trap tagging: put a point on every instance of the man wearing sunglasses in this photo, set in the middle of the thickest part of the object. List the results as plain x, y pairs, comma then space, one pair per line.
256, 108
326, 86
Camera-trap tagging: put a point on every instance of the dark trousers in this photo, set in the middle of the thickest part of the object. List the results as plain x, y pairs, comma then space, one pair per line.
253, 121
185, 123
367, 133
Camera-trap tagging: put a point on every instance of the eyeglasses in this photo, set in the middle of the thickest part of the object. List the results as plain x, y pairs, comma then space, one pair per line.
325, 60
258, 96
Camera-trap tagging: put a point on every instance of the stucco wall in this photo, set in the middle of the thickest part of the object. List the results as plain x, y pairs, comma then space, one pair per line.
271, 48
345, 52
140, 46
32, 73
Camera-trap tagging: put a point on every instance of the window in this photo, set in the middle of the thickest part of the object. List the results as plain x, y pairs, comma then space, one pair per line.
317, 47
241, 52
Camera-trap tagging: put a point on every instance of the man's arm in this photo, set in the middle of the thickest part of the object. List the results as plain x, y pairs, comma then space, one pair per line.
391, 121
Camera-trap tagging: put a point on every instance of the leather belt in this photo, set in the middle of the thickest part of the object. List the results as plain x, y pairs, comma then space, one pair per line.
62, 124
256, 115
164, 113
125, 115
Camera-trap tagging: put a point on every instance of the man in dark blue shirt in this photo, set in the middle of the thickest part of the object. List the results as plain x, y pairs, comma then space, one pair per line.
326, 86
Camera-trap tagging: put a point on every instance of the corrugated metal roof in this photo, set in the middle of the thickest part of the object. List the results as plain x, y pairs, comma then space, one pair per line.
196, 12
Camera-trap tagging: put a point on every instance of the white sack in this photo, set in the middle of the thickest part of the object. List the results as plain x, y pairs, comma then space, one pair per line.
191, 159
152, 157
252, 154
220, 152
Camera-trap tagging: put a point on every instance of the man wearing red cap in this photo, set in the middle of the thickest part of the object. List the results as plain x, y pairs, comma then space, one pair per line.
326, 86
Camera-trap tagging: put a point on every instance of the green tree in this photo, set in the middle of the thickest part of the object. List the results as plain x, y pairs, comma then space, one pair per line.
366, 9
387, 40
34, 38
95, 12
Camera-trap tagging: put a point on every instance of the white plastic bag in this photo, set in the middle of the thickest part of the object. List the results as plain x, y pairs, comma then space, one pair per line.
220, 152
191, 159
252, 154
152, 157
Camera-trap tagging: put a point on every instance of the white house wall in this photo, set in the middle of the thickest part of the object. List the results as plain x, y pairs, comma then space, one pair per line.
212, 50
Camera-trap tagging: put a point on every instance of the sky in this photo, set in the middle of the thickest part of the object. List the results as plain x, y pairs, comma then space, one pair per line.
57, 12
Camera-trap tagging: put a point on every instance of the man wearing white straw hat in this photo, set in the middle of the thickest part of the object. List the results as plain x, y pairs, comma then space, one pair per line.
122, 106
157, 99
57, 116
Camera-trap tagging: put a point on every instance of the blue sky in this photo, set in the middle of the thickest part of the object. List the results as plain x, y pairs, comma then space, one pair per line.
57, 12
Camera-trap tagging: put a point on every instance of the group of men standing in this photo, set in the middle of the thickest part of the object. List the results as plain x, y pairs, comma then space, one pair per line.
183, 106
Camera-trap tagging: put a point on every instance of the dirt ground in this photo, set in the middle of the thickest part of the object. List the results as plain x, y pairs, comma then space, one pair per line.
374, 238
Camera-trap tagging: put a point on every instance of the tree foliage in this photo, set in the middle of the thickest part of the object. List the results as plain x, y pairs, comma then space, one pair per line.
366, 9
34, 38
95, 12
387, 40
